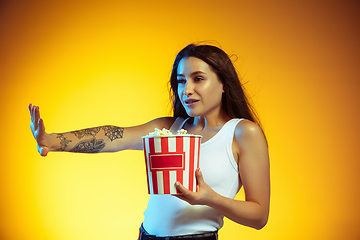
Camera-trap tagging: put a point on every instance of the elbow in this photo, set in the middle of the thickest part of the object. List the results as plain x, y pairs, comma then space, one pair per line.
261, 219
257, 224
260, 223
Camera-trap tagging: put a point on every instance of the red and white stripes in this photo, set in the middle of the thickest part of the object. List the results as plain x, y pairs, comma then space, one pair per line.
170, 159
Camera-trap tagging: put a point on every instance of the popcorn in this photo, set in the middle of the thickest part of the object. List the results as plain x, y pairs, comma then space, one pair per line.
159, 132
166, 132
182, 132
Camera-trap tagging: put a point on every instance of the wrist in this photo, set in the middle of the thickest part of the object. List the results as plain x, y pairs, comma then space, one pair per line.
52, 140
214, 199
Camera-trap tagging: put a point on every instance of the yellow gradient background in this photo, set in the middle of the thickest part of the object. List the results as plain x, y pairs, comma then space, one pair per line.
94, 63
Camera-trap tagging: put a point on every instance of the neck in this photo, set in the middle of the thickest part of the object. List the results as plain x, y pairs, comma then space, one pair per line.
211, 121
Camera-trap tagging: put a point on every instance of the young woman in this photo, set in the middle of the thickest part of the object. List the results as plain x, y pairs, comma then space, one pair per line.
208, 100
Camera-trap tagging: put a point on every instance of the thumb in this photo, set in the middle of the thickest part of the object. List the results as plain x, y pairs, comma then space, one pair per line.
43, 151
199, 177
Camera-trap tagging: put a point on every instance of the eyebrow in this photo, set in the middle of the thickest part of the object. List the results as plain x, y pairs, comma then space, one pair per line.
194, 73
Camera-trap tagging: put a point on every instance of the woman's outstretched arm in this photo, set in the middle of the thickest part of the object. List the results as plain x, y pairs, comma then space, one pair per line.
92, 140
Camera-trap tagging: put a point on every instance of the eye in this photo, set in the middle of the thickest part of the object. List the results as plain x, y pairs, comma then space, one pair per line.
197, 79
181, 80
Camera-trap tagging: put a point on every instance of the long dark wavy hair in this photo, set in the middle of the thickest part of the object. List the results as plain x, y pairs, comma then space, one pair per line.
234, 101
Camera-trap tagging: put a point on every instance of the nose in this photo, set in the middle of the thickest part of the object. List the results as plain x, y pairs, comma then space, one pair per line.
189, 88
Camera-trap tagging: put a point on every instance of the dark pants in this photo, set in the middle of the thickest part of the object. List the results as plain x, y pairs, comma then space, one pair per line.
144, 235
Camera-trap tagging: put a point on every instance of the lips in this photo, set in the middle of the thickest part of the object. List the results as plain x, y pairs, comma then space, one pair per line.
190, 101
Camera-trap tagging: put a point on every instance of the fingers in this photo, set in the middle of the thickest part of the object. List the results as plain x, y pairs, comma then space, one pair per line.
35, 115
203, 194
199, 179
186, 195
180, 187
41, 125
31, 110
37, 125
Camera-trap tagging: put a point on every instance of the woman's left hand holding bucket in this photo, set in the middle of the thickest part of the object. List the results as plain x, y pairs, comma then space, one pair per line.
203, 195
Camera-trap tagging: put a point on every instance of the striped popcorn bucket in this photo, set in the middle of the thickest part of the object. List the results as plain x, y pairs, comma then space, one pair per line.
169, 159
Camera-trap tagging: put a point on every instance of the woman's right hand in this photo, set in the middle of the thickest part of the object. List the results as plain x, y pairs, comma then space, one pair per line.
44, 140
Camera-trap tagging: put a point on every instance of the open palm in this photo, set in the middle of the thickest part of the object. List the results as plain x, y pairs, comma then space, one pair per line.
38, 130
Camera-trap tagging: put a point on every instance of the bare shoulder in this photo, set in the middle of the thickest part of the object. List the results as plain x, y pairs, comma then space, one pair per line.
248, 133
247, 127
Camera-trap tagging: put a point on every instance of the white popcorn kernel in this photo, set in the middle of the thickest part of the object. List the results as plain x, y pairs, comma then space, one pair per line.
182, 131
166, 132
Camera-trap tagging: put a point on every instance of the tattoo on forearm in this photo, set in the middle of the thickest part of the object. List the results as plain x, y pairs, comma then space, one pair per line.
89, 146
63, 142
90, 131
113, 132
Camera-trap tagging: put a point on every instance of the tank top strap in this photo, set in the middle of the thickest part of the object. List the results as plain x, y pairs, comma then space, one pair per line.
231, 126
230, 129
178, 124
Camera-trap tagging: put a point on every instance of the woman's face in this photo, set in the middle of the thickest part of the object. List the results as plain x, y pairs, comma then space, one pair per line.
199, 88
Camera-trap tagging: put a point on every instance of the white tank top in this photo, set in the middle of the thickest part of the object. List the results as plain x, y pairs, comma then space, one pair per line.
167, 215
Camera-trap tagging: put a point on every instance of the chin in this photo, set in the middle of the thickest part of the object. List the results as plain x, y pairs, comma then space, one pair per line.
194, 115
191, 114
